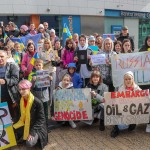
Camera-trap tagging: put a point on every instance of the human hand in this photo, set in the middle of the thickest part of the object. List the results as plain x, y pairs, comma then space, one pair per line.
50, 78
107, 61
30, 138
90, 63
88, 57
93, 93
2, 81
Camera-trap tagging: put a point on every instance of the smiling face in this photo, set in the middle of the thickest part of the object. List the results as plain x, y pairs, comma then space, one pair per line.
65, 82
128, 81
117, 48
31, 48
95, 80
108, 45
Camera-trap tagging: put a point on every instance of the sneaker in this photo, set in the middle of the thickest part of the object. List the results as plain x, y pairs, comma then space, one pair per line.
131, 127
115, 132
148, 128
72, 124
101, 125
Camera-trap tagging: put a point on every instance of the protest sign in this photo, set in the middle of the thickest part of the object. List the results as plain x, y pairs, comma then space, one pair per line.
39, 47
82, 56
98, 59
72, 104
127, 107
138, 63
111, 36
43, 79
7, 137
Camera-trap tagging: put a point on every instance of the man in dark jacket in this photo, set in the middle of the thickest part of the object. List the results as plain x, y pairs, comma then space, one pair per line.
125, 35
9, 78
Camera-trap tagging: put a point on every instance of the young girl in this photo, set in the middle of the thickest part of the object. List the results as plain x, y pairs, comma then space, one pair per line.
128, 85
68, 54
117, 47
97, 94
66, 84
126, 46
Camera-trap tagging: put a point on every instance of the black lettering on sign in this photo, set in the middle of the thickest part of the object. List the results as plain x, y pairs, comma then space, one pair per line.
146, 108
2, 130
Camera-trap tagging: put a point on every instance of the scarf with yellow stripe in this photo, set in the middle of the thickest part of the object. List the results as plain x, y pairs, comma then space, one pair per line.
25, 116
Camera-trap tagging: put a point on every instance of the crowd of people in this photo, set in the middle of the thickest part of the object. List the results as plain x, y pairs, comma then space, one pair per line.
29, 104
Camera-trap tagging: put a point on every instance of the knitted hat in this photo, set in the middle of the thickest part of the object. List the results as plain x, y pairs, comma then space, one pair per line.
24, 27
91, 38
129, 73
40, 26
25, 84
52, 30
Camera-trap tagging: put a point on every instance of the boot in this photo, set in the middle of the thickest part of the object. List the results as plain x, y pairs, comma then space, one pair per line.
131, 127
115, 132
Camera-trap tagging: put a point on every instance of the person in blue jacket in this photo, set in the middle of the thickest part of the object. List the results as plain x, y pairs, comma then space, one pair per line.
76, 79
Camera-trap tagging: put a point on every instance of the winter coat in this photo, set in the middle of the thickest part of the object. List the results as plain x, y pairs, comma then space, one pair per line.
121, 38
122, 88
76, 79
68, 57
14, 33
38, 122
12, 80
26, 64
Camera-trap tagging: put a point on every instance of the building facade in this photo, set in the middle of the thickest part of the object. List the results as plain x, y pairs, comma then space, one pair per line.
82, 16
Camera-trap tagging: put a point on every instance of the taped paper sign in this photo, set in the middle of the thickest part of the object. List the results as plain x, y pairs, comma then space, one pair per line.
128, 107
138, 63
98, 59
72, 104
7, 137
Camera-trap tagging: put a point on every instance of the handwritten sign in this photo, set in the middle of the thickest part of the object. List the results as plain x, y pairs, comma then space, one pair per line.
98, 59
72, 104
138, 63
42, 78
7, 137
129, 107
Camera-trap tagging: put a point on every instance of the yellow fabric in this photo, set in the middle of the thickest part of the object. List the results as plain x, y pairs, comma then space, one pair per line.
25, 116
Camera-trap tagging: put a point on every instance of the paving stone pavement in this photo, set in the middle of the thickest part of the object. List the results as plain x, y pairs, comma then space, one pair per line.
86, 137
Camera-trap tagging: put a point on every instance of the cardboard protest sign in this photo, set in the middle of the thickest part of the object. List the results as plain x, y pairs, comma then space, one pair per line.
7, 137
98, 59
42, 77
112, 36
82, 56
128, 107
138, 63
72, 104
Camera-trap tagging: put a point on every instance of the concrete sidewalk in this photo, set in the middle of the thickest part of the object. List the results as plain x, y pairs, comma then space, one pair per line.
86, 137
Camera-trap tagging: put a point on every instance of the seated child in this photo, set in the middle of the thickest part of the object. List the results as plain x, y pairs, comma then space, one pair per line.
66, 84
97, 95
41, 93
128, 85
76, 79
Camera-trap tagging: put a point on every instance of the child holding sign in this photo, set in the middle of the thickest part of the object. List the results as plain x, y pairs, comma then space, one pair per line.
41, 93
66, 84
128, 85
97, 94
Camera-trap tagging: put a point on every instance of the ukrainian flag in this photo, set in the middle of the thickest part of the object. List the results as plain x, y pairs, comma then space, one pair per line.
5, 37
33, 58
16, 57
19, 41
66, 31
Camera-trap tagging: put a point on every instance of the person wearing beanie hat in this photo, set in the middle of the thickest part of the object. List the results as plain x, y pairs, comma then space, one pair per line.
32, 119
91, 40
23, 30
43, 32
76, 79
53, 37
128, 85
125, 35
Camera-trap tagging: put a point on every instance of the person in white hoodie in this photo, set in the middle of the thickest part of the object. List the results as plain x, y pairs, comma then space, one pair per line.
128, 85
67, 84
84, 70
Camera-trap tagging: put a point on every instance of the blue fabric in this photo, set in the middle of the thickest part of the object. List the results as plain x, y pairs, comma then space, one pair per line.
123, 126
77, 81
72, 65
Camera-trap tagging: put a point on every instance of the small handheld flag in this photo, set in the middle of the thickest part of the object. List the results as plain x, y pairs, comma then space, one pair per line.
33, 58
16, 57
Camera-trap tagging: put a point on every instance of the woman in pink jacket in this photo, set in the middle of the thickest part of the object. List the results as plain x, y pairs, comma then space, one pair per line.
26, 67
68, 55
